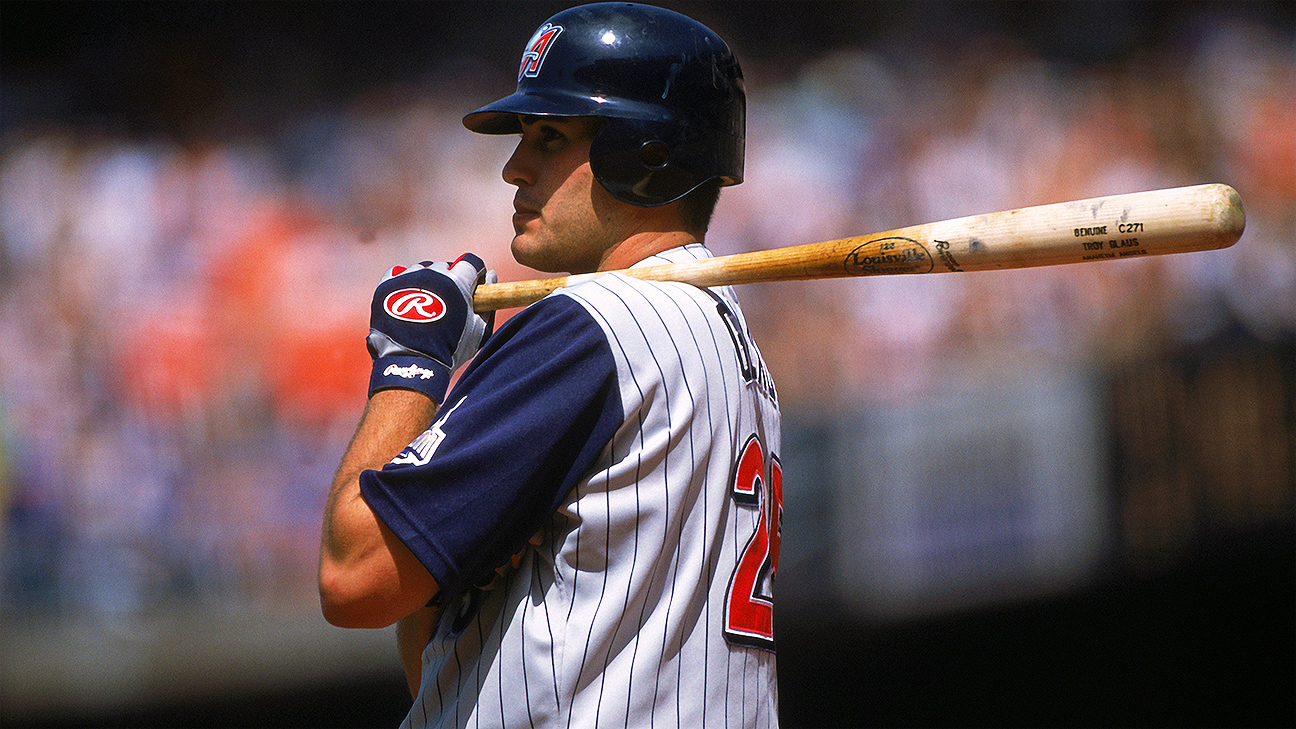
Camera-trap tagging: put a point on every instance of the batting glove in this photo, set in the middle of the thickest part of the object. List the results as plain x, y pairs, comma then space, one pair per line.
422, 326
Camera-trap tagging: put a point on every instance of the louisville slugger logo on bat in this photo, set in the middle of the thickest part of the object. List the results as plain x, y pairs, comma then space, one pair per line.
888, 257
1157, 222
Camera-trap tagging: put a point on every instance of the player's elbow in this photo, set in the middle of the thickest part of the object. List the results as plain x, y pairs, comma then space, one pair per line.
372, 588
347, 601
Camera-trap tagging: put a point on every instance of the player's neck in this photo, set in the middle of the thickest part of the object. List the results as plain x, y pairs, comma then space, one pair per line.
642, 245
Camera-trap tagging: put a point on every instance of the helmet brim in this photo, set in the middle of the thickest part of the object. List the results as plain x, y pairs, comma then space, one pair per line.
501, 117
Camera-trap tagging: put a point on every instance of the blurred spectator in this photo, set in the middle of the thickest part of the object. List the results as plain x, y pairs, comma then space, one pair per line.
157, 296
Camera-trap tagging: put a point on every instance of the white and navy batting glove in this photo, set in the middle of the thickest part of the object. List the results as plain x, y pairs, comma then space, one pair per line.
422, 326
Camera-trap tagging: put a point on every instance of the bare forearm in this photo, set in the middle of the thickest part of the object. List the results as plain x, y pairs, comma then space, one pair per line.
368, 578
391, 419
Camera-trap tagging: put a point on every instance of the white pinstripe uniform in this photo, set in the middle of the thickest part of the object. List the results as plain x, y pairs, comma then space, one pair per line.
643, 598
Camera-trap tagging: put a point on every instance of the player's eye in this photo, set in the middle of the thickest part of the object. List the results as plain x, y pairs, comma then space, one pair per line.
550, 139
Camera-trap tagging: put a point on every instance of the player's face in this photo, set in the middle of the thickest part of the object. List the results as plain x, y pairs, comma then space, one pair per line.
564, 221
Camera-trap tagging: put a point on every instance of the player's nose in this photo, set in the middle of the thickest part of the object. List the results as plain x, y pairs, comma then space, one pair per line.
518, 170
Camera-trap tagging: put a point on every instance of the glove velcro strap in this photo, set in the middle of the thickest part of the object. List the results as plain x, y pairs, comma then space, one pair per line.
410, 373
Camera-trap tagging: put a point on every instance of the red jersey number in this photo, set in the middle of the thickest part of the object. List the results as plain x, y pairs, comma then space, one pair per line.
749, 608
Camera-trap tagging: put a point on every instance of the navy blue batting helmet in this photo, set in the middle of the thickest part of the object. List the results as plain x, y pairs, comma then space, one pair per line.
669, 90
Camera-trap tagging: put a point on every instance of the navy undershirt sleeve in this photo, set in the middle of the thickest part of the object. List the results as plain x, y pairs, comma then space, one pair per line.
524, 424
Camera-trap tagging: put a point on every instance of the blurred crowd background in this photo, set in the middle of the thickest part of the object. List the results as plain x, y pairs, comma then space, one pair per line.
196, 201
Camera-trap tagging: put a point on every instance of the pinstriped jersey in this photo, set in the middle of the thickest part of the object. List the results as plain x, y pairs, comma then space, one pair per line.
613, 451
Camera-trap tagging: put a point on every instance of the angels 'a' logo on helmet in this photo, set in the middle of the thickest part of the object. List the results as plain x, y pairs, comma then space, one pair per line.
414, 305
536, 49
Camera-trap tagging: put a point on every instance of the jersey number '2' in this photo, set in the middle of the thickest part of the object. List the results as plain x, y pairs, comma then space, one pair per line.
749, 609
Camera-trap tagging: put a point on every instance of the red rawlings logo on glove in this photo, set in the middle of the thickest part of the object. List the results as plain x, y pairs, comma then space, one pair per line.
414, 305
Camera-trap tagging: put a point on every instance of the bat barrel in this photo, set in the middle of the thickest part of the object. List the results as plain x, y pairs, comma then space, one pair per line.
1158, 222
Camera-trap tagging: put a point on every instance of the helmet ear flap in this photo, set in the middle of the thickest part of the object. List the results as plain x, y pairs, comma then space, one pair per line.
641, 162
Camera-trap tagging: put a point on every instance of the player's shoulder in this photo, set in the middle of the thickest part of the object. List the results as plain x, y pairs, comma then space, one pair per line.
549, 325
615, 292
679, 254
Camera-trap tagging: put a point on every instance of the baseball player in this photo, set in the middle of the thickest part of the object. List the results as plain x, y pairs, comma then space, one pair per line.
584, 531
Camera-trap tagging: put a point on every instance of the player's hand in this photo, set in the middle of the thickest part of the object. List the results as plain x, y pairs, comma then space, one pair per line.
422, 326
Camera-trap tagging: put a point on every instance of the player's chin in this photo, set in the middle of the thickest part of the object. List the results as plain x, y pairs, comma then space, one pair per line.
531, 253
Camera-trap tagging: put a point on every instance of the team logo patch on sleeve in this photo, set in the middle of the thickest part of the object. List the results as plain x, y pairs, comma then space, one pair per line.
536, 50
419, 306
420, 451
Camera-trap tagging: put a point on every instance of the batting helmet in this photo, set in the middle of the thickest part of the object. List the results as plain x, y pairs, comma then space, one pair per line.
669, 90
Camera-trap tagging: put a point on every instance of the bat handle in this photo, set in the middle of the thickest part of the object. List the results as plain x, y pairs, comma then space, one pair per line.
508, 294
705, 272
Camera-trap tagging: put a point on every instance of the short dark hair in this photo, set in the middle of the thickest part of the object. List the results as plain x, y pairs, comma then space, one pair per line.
697, 207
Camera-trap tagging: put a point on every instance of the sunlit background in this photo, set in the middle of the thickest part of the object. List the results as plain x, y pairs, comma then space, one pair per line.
1060, 495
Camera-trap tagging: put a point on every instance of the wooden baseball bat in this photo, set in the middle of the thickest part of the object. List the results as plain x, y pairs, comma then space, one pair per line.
1175, 220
